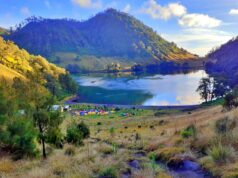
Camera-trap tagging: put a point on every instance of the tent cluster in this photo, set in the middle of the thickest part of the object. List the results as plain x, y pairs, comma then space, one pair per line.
93, 112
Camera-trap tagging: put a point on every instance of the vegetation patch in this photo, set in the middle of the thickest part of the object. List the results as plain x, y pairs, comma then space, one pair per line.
165, 154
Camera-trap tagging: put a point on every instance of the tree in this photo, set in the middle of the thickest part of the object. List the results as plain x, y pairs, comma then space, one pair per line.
76, 133
68, 84
16, 132
220, 86
205, 89
47, 122
230, 101
20, 136
41, 119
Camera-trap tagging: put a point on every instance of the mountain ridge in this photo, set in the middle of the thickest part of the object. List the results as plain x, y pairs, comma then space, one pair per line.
108, 37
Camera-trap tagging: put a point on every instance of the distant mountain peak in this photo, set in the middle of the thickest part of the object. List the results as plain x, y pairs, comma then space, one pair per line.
109, 36
111, 10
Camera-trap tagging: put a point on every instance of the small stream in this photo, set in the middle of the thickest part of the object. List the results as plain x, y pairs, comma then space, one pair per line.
185, 169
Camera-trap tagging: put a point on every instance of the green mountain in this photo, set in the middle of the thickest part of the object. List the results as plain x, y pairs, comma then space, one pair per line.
109, 37
224, 60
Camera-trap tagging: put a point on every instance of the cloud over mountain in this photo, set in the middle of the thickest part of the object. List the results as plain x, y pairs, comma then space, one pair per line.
157, 11
199, 20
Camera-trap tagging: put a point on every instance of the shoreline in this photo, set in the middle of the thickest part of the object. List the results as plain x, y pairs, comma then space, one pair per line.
178, 107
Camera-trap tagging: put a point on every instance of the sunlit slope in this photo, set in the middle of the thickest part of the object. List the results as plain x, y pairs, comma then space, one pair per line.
16, 62
8, 73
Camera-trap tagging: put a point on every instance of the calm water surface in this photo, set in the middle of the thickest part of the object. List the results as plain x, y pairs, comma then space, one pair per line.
150, 90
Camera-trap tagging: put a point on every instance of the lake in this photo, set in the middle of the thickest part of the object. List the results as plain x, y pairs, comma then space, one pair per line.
146, 89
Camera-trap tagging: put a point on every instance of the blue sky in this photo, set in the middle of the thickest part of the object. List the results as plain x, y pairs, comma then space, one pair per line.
196, 25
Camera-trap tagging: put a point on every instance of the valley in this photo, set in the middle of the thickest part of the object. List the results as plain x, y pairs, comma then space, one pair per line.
110, 97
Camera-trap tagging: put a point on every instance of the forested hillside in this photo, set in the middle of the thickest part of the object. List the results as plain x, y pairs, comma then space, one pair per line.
18, 63
224, 60
109, 37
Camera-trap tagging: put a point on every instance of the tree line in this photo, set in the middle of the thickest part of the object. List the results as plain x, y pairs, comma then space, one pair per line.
211, 88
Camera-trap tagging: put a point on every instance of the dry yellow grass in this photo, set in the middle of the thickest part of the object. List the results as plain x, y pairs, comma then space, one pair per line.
131, 134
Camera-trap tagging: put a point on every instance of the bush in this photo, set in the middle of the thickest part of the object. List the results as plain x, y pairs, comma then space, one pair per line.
165, 154
230, 101
221, 153
108, 173
76, 133
190, 131
55, 137
20, 137
84, 129
224, 125
74, 136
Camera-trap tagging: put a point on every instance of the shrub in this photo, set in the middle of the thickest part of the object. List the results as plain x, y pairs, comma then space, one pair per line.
165, 154
224, 125
84, 129
55, 137
190, 131
99, 123
230, 101
108, 173
221, 153
201, 144
20, 136
74, 136
112, 131
76, 133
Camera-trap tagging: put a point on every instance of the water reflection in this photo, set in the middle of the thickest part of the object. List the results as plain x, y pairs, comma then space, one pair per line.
156, 89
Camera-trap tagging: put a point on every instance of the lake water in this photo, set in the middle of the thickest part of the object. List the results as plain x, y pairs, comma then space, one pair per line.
148, 90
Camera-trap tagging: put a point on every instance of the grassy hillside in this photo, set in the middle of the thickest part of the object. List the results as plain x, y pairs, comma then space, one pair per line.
109, 37
145, 139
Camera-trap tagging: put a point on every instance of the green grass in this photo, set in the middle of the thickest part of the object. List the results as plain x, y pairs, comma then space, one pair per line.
89, 63
217, 102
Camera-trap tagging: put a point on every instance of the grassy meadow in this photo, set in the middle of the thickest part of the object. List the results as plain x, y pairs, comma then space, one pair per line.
141, 136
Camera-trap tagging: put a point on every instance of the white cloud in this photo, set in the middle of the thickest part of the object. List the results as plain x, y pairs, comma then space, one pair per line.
25, 11
233, 12
199, 21
157, 11
87, 3
198, 40
127, 8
